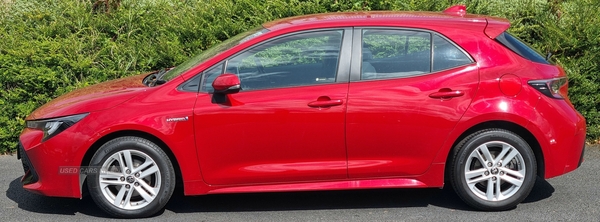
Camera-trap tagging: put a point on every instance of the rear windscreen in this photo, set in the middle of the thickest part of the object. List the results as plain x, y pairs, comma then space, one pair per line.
520, 48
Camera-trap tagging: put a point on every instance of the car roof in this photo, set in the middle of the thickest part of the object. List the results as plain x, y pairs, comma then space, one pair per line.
391, 18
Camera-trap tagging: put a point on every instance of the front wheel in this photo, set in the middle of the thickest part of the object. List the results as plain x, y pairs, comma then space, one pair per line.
493, 169
134, 178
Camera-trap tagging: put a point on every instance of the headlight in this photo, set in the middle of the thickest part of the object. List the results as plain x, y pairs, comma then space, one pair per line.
52, 127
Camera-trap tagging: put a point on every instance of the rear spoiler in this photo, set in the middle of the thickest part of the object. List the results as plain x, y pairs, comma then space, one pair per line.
494, 27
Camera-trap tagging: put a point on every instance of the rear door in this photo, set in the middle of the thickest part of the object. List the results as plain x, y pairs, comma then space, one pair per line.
407, 92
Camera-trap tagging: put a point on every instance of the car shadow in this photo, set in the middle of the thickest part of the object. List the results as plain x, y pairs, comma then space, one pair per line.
50, 205
313, 200
322, 200
541, 190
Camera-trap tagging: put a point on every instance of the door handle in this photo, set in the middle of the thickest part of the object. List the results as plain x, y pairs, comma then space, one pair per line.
325, 101
446, 93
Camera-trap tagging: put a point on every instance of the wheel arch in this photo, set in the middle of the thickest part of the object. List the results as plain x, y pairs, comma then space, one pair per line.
506, 125
87, 157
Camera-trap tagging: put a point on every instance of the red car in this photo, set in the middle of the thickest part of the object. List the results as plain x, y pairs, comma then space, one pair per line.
354, 100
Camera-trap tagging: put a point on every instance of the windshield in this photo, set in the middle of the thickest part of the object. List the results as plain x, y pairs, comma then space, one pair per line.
213, 51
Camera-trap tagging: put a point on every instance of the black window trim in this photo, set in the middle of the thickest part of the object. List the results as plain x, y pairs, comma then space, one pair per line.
357, 50
183, 87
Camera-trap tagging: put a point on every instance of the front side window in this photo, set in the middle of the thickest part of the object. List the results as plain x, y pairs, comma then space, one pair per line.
209, 76
294, 60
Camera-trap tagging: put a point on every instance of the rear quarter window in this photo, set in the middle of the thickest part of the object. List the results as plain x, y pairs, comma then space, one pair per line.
519, 47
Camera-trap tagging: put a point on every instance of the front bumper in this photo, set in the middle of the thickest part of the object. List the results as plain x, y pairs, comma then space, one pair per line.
30, 174
44, 163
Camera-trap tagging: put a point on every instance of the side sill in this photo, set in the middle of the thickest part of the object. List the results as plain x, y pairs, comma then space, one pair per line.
335, 185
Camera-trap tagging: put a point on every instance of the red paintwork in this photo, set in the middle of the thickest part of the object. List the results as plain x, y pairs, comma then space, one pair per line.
272, 136
225, 81
495, 27
400, 113
510, 84
329, 185
460, 10
94, 98
343, 135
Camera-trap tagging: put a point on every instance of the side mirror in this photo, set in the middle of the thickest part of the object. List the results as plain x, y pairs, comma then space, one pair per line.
227, 83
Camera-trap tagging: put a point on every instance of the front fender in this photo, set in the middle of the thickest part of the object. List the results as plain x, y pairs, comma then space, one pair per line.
173, 127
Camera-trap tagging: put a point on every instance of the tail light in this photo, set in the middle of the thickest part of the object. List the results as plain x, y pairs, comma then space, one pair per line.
554, 88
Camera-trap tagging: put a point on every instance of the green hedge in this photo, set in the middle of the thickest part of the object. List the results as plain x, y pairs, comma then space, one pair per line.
50, 47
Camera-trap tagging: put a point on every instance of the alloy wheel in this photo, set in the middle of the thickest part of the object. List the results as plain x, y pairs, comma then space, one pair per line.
495, 171
130, 179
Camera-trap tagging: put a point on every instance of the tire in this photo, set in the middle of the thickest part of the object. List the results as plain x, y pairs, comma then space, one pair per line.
508, 167
134, 187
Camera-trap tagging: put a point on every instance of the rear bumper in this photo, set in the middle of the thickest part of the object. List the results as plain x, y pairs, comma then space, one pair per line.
581, 158
562, 134
575, 150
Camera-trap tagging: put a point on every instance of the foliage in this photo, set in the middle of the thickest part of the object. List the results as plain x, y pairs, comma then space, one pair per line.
50, 47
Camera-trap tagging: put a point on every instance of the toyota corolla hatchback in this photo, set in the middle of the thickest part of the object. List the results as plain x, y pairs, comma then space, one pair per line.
355, 100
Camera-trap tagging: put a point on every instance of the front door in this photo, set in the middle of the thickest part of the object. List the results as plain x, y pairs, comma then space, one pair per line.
287, 122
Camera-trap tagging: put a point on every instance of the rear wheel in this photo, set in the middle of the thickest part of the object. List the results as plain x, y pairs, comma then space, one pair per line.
135, 178
493, 169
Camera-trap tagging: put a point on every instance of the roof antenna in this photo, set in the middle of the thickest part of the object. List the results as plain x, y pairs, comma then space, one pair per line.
460, 10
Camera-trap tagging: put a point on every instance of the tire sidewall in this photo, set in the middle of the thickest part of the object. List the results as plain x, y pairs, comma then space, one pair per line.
459, 168
144, 146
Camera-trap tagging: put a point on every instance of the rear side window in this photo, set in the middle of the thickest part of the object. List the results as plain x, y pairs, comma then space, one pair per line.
522, 49
446, 55
396, 53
